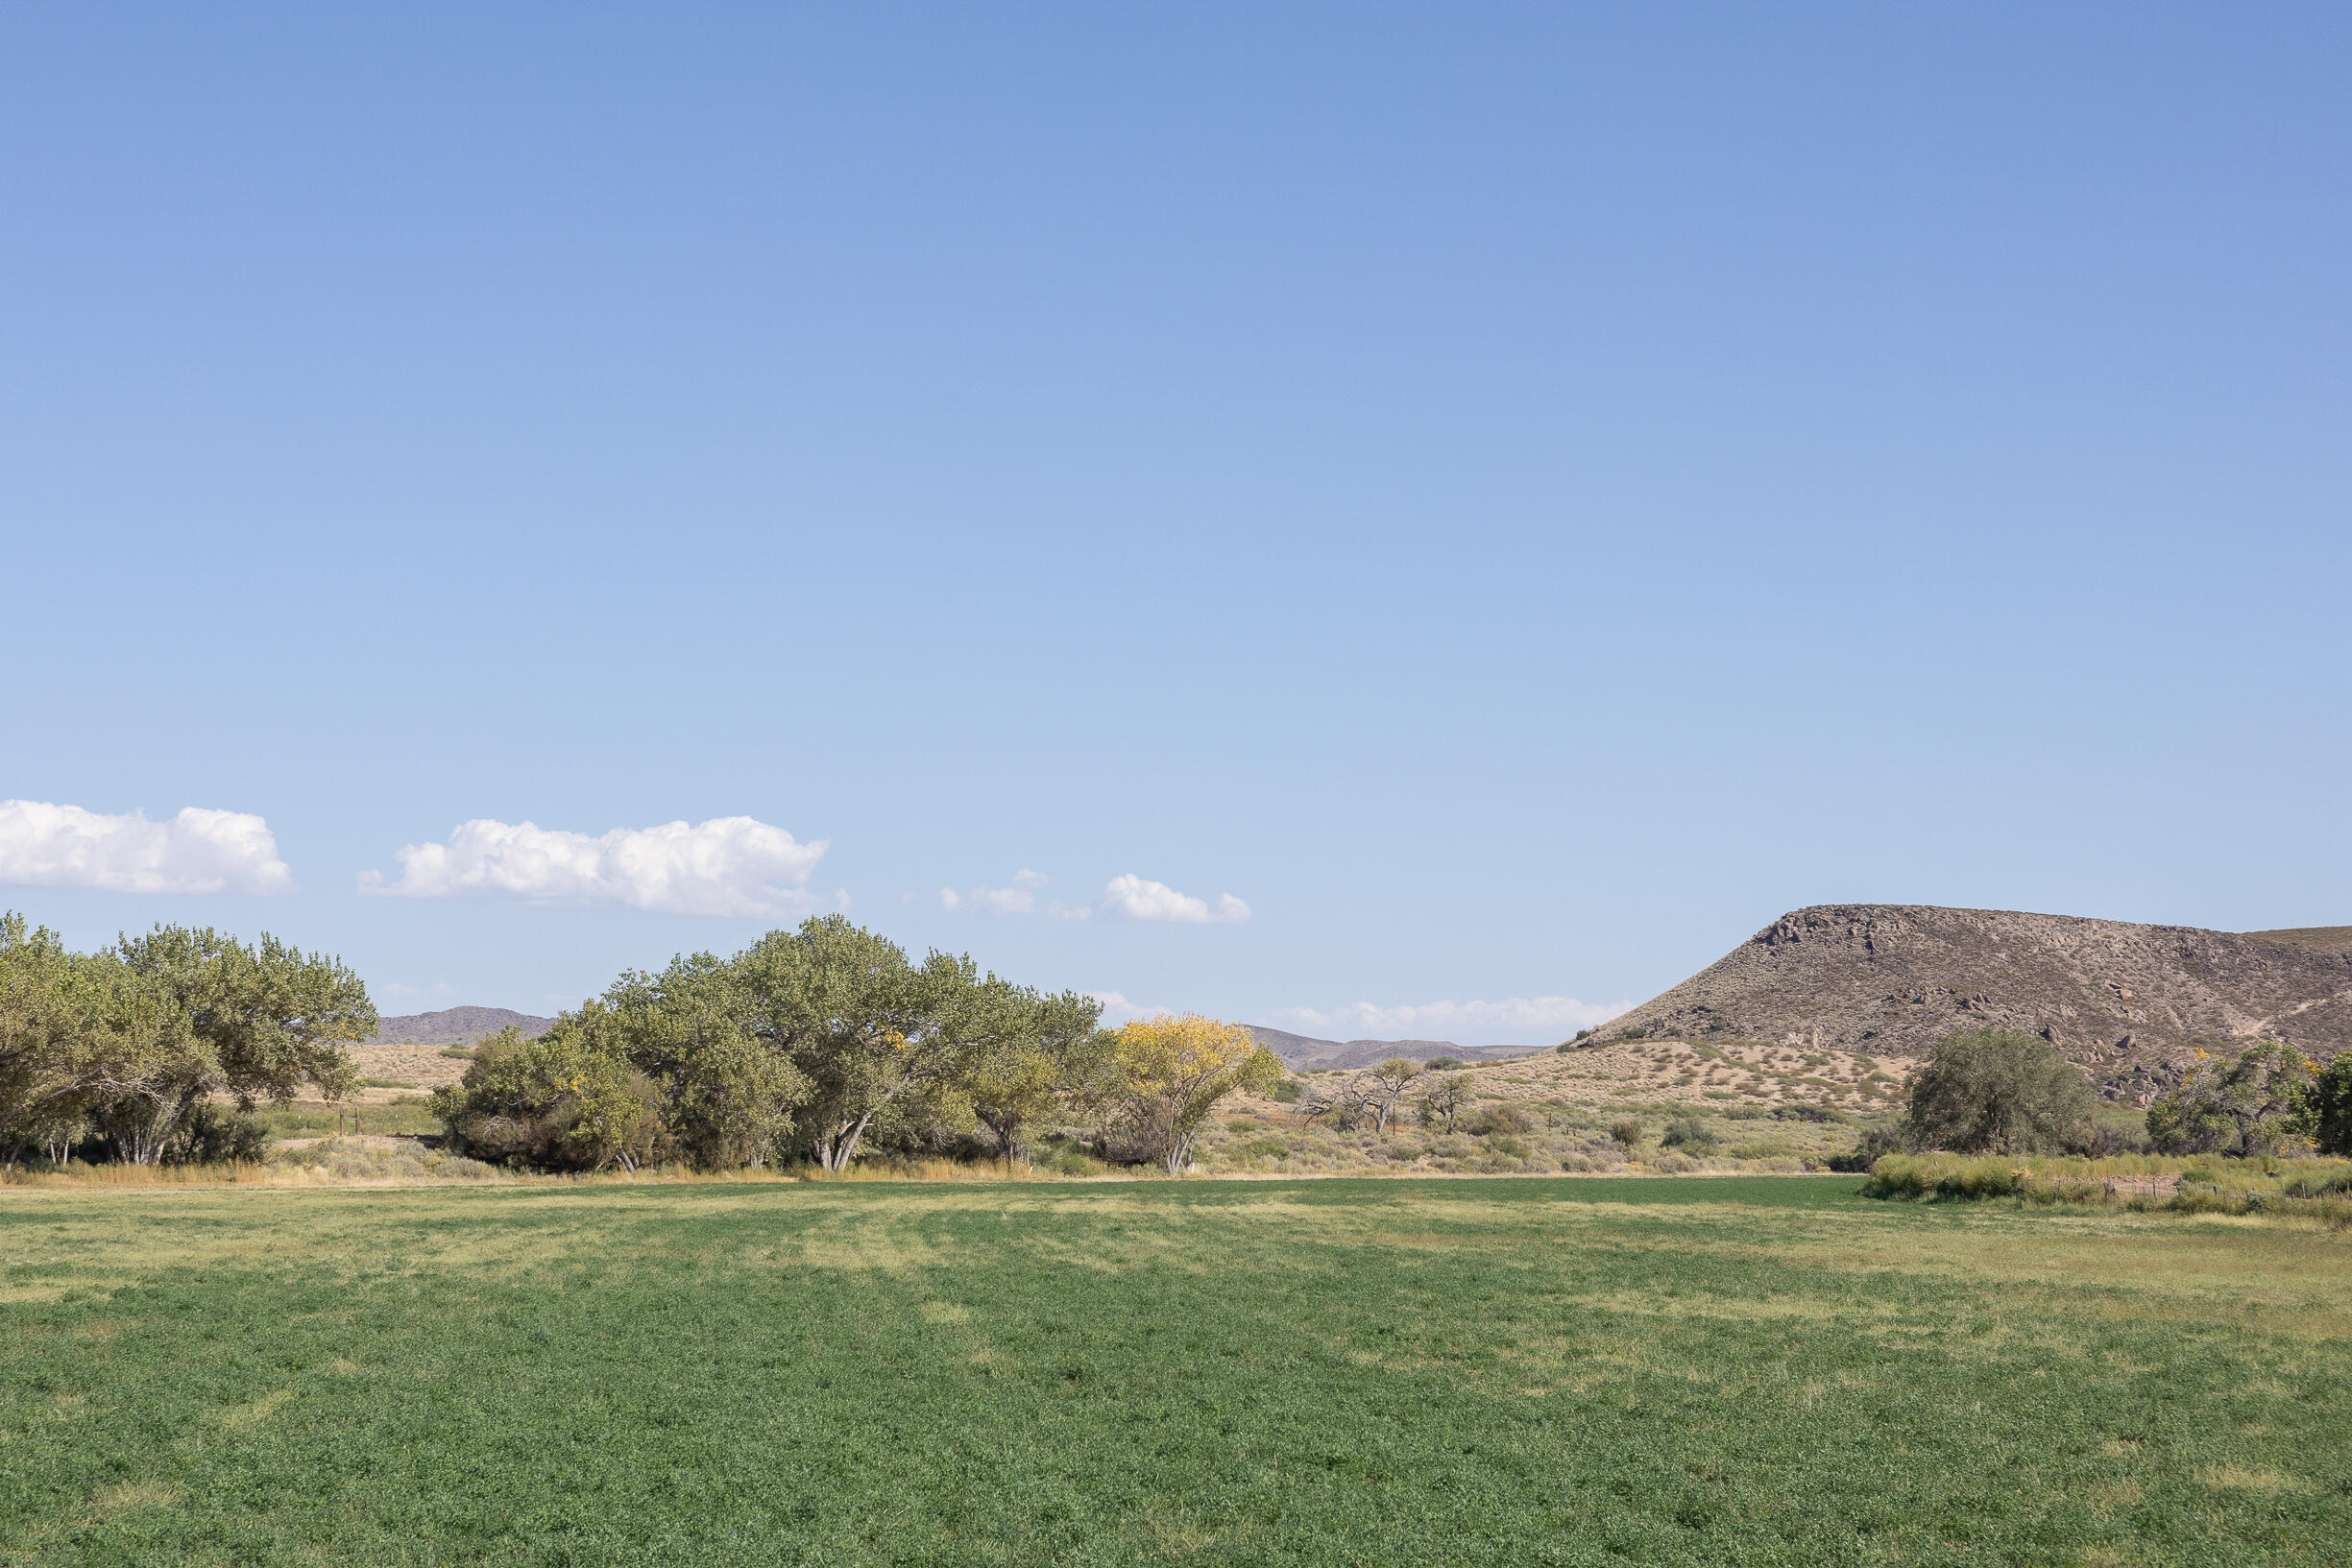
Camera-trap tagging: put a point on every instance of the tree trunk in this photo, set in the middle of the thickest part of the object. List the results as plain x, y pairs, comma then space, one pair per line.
836, 1152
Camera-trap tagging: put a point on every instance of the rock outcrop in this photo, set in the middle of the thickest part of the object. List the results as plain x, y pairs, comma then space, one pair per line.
2129, 1002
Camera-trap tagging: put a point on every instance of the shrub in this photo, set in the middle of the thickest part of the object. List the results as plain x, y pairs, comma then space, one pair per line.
1072, 1162
2000, 1092
1503, 1117
1287, 1092
212, 1135
1878, 1139
561, 1102
1442, 1064
1688, 1134
1625, 1132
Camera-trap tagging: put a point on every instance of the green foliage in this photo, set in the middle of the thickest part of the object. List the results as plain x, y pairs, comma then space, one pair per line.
2308, 1190
2000, 1092
1442, 1064
568, 1099
1442, 1102
123, 1045
1504, 1118
1877, 1140
1287, 1092
2331, 1106
1691, 1136
211, 1134
1036, 1055
2260, 1101
1625, 1132
869, 1032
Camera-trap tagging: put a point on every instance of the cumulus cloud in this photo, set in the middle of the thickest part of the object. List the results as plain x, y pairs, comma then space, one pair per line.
726, 866
1020, 899
1133, 898
1118, 1010
198, 851
1518, 1021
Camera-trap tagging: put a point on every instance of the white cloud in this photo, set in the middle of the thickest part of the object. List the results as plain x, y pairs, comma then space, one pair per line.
727, 866
1132, 898
1118, 1010
196, 851
1020, 899
1519, 1021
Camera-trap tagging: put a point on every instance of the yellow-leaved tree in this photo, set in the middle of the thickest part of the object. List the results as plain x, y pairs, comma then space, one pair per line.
1173, 1071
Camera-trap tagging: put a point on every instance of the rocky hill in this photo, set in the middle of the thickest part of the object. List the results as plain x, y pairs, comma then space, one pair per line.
453, 1026
1305, 1053
2129, 1002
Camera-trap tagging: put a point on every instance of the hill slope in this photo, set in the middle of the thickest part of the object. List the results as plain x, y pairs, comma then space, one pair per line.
454, 1025
2127, 1001
1304, 1052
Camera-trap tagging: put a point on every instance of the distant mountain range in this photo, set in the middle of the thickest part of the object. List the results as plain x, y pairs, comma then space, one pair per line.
453, 1027
1305, 1053
463, 1025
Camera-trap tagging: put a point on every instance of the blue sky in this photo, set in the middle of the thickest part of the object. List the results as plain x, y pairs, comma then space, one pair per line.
1511, 499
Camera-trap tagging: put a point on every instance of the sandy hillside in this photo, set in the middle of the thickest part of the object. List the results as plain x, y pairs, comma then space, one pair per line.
1679, 1071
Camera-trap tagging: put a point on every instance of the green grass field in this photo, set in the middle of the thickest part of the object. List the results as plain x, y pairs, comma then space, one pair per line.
1751, 1370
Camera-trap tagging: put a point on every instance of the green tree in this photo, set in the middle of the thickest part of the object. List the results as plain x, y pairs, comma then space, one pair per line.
1033, 1054
1384, 1086
1444, 1101
714, 1046
2331, 1106
54, 1020
196, 1013
2000, 1092
567, 1100
2260, 1100
871, 1032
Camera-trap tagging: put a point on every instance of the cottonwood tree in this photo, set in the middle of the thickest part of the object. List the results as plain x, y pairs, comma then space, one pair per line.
2000, 1092
871, 1032
2331, 1106
53, 1020
196, 1013
1035, 1053
721, 1055
2253, 1104
1173, 1072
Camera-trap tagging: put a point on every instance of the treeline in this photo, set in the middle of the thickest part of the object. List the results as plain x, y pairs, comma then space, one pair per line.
2003, 1092
817, 1045
157, 1049
827, 1042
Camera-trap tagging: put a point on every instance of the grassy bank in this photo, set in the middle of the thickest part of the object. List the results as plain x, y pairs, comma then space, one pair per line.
1760, 1370
2318, 1191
